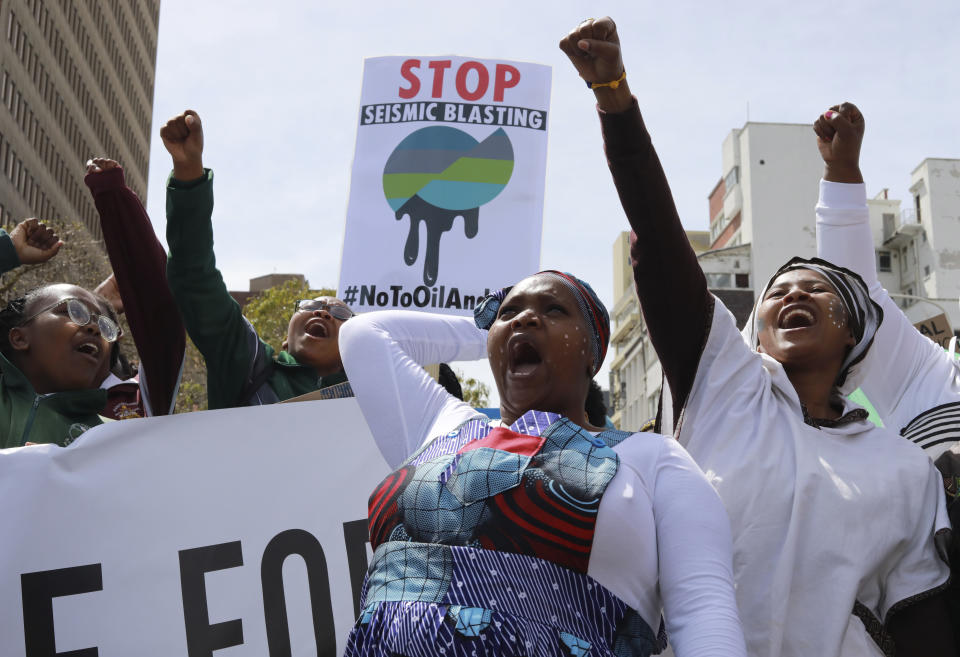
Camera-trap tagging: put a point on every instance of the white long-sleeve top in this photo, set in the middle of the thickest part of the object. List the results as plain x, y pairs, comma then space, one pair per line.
822, 518
904, 374
662, 539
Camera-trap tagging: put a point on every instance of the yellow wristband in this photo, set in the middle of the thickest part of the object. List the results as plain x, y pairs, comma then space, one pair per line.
613, 84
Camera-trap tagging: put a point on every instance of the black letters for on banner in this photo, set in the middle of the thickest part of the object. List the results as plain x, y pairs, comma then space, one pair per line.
202, 637
303, 543
38, 591
356, 535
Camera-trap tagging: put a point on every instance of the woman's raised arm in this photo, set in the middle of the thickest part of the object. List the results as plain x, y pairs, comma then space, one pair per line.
670, 284
905, 373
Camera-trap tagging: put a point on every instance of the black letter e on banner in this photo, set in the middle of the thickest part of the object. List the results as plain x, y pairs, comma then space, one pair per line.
38, 591
202, 637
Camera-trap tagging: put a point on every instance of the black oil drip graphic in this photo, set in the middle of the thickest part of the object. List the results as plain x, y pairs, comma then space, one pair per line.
438, 222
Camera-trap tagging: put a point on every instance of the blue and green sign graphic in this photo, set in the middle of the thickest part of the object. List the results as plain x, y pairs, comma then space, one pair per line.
439, 173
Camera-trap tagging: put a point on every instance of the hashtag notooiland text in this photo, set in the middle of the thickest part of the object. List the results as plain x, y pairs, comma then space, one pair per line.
422, 296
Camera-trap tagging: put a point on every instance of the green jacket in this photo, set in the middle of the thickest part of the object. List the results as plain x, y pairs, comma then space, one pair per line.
56, 417
242, 369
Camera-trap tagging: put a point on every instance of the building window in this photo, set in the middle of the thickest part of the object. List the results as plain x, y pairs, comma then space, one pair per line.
883, 261
719, 281
926, 271
731, 179
916, 204
889, 225
909, 301
742, 280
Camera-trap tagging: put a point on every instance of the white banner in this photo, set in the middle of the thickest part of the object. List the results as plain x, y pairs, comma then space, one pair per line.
237, 532
446, 194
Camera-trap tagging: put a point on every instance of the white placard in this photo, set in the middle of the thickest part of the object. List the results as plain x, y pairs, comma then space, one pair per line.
446, 194
168, 536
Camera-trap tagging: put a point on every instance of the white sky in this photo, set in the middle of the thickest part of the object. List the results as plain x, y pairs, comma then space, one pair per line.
277, 86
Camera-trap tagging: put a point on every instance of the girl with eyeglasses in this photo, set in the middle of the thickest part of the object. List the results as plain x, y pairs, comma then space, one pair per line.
57, 344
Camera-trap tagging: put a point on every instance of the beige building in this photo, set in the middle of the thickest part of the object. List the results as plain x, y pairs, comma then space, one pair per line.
76, 81
635, 373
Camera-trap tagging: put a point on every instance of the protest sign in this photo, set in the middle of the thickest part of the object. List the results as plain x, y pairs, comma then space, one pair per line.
241, 530
446, 193
937, 329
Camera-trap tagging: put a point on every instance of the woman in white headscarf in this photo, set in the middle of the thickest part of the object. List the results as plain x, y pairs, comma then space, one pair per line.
833, 518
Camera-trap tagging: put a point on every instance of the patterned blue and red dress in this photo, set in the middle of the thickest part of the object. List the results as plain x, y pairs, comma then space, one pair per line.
535, 539
481, 545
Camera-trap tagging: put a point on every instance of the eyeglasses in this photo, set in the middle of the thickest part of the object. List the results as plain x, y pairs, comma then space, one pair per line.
80, 315
337, 310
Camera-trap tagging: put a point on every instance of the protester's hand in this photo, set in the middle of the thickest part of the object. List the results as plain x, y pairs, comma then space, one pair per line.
100, 164
839, 137
593, 47
34, 242
108, 289
183, 138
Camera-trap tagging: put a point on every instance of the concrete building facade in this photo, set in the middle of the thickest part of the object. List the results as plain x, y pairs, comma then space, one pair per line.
76, 81
918, 246
766, 195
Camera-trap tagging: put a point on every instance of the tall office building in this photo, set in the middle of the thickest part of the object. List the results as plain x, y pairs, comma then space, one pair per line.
76, 81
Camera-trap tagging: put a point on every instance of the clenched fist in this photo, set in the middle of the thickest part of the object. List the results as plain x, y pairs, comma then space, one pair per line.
34, 242
183, 138
839, 137
593, 47
101, 164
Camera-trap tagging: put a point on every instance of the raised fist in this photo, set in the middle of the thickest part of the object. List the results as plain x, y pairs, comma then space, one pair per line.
101, 164
839, 137
34, 242
594, 49
183, 138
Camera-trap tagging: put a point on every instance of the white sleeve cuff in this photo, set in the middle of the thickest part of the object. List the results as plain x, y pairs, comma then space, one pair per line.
841, 196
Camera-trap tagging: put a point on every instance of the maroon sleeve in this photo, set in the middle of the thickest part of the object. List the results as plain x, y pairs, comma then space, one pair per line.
672, 289
140, 265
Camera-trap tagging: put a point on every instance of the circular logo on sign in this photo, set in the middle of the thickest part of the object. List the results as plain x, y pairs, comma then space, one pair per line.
439, 173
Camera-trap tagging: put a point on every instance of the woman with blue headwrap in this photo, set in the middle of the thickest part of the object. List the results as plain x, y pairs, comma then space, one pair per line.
833, 518
540, 534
